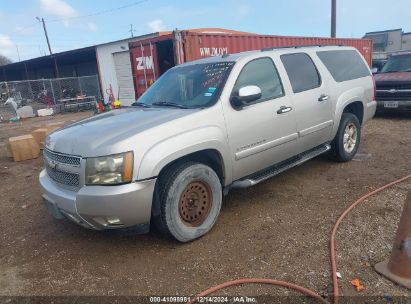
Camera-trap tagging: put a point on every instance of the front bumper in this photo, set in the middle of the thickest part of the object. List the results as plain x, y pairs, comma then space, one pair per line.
401, 106
92, 206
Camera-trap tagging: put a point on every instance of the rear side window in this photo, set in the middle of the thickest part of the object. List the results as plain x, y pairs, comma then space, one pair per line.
261, 72
344, 65
301, 71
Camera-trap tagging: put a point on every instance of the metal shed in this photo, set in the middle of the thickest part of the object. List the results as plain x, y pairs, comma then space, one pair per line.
74, 63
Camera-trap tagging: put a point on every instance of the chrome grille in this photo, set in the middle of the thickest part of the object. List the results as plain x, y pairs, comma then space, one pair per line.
62, 177
62, 158
62, 168
393, 95
392, 91
397, 86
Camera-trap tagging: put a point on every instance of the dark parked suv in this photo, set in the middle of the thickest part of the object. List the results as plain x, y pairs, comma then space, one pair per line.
393, 84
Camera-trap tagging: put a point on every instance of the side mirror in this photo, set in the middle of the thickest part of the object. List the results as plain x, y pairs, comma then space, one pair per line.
245, 96
374, 70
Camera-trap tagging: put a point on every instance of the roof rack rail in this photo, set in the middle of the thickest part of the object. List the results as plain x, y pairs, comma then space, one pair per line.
297, 46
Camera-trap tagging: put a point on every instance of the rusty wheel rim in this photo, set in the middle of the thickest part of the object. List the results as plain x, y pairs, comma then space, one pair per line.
195, 203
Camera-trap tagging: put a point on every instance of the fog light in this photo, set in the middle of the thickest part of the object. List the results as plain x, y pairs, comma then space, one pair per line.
111, 220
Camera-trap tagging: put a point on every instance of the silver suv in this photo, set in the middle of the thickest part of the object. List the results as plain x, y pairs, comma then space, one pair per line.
204, 128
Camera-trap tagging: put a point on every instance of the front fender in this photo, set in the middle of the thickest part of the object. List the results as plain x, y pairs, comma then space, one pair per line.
350, 96
182, 144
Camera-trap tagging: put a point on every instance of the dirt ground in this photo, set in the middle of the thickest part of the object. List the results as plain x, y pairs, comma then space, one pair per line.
278, 229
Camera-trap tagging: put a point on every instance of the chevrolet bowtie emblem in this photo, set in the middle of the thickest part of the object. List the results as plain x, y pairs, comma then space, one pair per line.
52, 164
392, 91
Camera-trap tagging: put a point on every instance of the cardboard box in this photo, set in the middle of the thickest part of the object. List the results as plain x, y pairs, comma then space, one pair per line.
24, 147
40, 135
54, 126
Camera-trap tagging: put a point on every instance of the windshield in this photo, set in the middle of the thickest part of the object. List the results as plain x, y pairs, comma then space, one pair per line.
192, 86
401, 63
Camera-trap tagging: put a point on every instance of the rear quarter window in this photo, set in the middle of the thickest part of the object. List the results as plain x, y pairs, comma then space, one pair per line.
344, 65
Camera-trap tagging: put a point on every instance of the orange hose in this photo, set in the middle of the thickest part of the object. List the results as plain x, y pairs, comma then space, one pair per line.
337, 224
260, 281
332, 256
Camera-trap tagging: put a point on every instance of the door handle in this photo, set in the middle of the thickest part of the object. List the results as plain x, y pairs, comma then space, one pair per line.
284, 109
323, 97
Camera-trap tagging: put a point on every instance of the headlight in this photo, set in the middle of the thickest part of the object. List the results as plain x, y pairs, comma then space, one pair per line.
109, 170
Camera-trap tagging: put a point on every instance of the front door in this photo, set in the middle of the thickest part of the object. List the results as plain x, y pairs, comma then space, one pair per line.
313, 108
263, 132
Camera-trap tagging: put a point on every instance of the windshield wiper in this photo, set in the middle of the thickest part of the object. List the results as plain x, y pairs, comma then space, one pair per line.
140, 104
169, 104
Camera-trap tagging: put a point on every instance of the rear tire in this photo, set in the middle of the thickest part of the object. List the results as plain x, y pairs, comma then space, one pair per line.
189, 196
347, 140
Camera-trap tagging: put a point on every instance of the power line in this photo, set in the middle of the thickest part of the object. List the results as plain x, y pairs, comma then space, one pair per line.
21, 29
100, 13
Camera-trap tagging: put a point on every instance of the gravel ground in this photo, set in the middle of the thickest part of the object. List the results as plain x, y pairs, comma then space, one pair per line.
278, 229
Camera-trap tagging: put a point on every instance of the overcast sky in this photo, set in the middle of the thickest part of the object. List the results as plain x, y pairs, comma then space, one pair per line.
69, 30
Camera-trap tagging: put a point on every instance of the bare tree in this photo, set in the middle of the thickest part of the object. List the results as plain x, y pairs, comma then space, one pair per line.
5, 60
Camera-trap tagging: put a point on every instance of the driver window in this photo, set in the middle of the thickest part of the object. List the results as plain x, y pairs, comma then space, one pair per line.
261, 72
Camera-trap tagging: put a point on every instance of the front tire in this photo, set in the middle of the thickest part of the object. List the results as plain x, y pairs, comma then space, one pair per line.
347, 140
190, 197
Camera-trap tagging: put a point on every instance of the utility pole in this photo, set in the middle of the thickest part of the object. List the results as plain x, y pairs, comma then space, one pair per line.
131, 30
48, 43
45, 33
333, 18
18, 53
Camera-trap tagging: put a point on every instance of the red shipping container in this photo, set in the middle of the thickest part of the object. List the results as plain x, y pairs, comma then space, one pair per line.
152, 57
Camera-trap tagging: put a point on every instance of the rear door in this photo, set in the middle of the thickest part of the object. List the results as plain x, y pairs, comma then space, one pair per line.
311, 98
264, 132
145, 67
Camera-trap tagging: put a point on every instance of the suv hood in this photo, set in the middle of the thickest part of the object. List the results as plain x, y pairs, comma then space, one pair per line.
98, 135
393, 77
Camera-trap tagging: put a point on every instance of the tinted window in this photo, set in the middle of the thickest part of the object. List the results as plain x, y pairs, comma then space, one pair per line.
262, 73
301, 71
397, 63
344, 65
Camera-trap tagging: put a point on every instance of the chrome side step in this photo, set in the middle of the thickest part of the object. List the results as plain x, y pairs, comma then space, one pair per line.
269, 172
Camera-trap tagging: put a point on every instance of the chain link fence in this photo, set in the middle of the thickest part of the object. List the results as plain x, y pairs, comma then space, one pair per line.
61, 94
